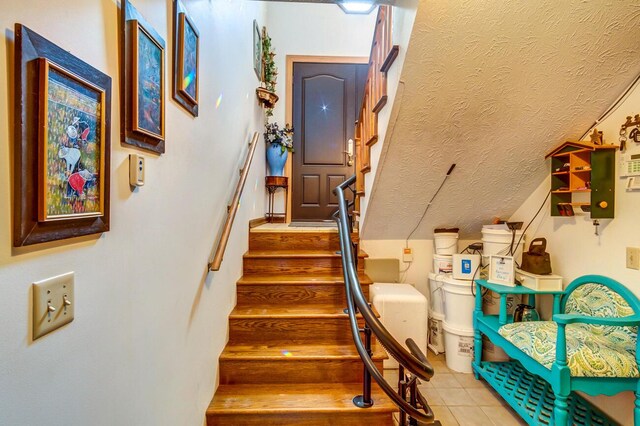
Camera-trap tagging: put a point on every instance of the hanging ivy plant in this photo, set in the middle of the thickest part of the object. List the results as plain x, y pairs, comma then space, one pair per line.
270, 74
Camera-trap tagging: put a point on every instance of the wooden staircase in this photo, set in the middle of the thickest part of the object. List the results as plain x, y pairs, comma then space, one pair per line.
290, 359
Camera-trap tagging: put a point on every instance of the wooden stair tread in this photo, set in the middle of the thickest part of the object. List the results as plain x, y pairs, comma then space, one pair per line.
286, 398
293, 351
290, 311
289, 230
292, 279
270, 254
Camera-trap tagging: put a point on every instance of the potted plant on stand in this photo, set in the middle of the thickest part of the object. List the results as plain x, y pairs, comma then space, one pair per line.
279, 144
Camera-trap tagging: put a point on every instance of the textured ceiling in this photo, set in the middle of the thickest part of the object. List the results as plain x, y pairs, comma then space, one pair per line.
492, 86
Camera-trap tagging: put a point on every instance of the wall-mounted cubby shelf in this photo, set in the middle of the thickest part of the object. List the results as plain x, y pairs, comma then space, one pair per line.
583, 168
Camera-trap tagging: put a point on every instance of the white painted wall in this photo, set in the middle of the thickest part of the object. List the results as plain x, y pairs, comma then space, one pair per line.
313, 30
416, 272
576, 251
150, 322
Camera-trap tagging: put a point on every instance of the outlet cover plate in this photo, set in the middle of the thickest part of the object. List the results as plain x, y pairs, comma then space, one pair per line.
52, 291
633, 257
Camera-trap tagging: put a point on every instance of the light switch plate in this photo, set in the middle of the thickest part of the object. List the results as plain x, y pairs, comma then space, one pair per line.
633, 257
53, 293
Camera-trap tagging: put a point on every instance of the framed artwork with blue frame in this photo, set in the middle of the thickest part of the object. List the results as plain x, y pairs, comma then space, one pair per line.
143, 82
186, 56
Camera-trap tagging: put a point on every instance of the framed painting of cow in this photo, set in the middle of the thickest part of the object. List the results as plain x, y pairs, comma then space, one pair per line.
62, 148
71, 145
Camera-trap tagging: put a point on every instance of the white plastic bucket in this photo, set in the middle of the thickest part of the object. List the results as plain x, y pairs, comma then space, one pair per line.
498, 241
459, 303
458, 348
446, 242
435, 293
436, 333
466, 266
442, 263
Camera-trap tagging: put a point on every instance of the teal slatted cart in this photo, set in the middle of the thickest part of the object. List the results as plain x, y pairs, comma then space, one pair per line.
541, 387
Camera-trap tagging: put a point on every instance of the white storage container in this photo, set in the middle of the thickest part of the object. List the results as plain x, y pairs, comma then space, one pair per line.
442, 263
498, 241
445, 242
435, 293
458, 348
539, 282
403, 311
459, 303
465, 266
436, 333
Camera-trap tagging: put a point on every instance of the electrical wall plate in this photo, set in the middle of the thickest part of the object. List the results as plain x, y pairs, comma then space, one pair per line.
136, 170
53, 303
633, 257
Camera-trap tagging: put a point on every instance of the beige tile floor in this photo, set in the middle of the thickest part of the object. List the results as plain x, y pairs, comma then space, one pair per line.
460, 399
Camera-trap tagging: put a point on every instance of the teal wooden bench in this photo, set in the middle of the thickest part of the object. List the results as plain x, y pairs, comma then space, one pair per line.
590, 345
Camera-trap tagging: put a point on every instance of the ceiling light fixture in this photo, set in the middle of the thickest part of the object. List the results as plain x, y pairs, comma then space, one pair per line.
361, 7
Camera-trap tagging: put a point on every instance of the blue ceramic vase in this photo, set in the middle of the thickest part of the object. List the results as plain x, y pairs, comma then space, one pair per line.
276, 159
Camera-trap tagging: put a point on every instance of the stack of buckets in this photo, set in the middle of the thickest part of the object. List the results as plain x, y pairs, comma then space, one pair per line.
452, 305
497, 241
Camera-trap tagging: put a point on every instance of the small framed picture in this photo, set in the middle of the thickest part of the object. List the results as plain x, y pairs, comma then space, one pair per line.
257, 50
142, 84
186, 59
502, 270
148, 83
71, 145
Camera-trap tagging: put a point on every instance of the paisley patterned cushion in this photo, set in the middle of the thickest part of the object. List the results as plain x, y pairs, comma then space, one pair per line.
592, 351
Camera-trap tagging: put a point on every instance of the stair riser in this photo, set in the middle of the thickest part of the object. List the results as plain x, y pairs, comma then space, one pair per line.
295, 265
273, 294
285, 330
294, 241
292, 371
362, 418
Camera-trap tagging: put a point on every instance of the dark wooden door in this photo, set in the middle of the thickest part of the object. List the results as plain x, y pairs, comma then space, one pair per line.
326, 99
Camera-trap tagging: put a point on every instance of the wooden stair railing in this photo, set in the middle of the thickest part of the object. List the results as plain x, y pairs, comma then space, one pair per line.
232, 209
383, 54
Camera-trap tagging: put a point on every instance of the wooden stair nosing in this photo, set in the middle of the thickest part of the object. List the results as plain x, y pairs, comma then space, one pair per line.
297, 254
274, 294
261, 240
282, 398
294, 363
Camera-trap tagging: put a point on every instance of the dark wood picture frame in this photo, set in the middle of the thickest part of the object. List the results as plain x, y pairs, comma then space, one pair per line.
31, 52
181, 23
133, 25
257, 50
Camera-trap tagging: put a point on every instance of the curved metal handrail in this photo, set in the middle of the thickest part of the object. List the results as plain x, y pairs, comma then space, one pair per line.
414, 361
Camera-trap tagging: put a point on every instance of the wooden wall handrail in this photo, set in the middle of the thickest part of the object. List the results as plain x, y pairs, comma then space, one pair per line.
232, 209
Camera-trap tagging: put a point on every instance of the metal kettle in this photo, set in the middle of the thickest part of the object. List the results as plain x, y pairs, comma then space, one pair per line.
524, 313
